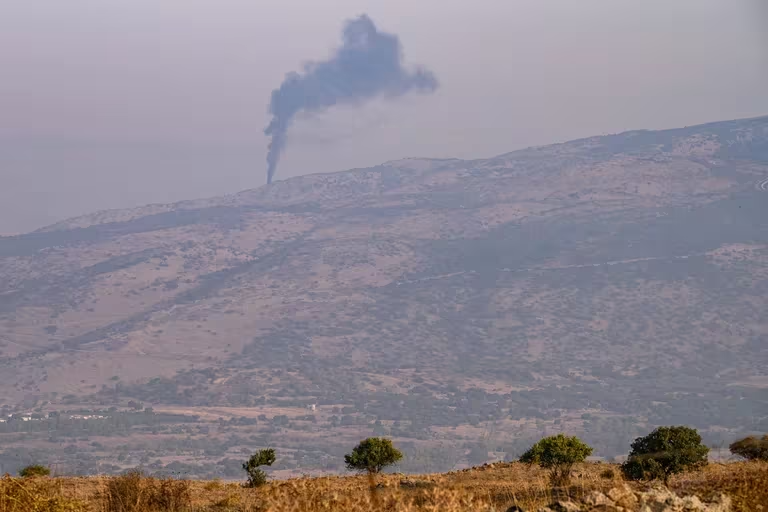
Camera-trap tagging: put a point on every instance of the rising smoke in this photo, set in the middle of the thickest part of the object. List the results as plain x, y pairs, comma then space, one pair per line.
367, 65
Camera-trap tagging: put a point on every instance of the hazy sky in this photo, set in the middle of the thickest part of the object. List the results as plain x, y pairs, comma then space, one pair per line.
117, 103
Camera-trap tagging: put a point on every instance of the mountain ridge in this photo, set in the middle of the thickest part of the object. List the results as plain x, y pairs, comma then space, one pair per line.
200, 202
594, 286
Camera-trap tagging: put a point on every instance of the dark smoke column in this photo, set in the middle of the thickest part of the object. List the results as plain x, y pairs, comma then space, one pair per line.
367, 65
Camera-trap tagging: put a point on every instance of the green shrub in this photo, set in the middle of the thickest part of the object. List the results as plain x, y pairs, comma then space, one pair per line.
257, 476
372, 455
751, 448
558, 454
664, 452
35, 470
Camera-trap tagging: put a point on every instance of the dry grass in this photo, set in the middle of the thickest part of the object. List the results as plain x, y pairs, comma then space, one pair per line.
38, 495
745, 482
493, 487
133, 492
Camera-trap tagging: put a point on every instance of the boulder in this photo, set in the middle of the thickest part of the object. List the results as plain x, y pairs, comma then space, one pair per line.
624, 499
664, 500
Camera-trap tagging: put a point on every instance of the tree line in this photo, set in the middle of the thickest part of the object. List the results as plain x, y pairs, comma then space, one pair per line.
657, 456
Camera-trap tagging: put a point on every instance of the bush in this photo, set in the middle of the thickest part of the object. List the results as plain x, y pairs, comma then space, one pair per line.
558, 454
35, 470
664, 452
372, 455
134, 492
169, 495
256, 476
751, 448
126, 493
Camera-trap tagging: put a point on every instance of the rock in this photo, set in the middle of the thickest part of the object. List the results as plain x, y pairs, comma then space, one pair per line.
664, 500
720, 504
692, 503
564, 506
596, 498
623, 497
660, 500
408, 482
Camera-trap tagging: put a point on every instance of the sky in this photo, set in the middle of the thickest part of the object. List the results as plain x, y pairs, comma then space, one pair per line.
119, 103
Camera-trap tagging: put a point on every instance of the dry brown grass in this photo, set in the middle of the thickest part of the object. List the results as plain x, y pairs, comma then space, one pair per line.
38, 495
745, 482
493, 487
133, 492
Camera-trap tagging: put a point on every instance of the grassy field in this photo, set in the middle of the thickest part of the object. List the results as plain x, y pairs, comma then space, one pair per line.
493, 487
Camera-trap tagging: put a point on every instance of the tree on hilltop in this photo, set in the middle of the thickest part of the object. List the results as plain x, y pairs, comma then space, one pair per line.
372, 455
256, 475
751, 448
35, 470
558, 454
665, 452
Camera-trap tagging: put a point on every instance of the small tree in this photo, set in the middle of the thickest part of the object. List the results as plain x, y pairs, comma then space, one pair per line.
664, 452
558, 454
751, 448
372, 455
35, 470
257, 476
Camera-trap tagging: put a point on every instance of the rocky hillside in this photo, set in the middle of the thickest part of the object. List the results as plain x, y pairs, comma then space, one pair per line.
604, 284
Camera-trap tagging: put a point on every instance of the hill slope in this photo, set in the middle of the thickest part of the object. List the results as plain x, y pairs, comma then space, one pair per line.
622, 278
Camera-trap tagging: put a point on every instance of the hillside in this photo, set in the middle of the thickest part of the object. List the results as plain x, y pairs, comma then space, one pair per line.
736, 487
600, 286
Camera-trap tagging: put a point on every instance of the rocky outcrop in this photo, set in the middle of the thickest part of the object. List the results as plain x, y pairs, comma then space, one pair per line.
624, 499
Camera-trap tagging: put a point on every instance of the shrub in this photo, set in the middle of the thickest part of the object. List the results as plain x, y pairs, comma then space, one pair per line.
169, 495
558, 454
256, 476
134, 492
751, 448
35, 470
372, 455
126, 493
664, 452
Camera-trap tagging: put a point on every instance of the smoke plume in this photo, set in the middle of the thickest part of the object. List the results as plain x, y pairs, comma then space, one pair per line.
367, 65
